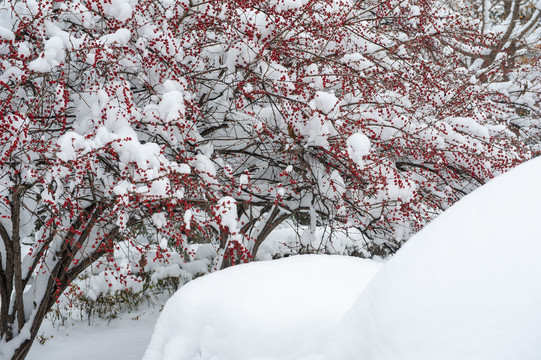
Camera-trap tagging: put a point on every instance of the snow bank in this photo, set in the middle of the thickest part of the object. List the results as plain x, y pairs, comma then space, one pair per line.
282, 309
465, 287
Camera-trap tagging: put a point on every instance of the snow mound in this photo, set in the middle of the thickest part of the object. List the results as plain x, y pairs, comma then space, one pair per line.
281, 309
468, 286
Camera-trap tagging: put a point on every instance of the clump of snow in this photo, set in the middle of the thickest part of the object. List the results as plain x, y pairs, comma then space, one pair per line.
121, 37
205, 251
188, 218
53, 54
197, 267
465, 287
227, 210
205, 168
6, 34
358, 61
324, 102
120, 9
358, 145
470, 126
282, 309
172, 104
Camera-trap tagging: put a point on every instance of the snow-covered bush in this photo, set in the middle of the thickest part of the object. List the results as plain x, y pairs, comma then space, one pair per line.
129, 280
505, 53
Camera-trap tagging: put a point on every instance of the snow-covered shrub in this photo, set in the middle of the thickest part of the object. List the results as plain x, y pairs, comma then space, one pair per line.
228, 118
76, 305
506, 53
129, 280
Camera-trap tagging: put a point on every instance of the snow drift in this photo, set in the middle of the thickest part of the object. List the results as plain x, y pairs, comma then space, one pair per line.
282, 309
465, 287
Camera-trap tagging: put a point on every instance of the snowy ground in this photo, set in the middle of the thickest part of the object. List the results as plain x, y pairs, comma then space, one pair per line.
121, 339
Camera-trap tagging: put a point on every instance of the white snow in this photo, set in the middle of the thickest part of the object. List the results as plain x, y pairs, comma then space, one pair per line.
6, 34
205, 168
53, 54
121, 37
227, 211
282, 309
465, 287
172, 104
324, 102
119, 339
120, 9
358, 145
